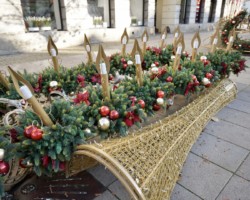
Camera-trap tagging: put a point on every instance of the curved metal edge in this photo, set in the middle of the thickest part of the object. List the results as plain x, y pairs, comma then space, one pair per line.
115, 167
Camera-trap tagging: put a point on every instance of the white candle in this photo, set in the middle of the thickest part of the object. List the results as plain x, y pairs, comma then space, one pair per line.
53, 52
179, 50
163, 37
1, 154
103, 68
137, 59
215, 40
176, 35
196, 44
124, 40
87, 48
231, 39
144, 38
26, 92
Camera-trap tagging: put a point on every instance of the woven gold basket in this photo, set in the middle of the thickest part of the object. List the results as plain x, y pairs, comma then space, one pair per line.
149, 161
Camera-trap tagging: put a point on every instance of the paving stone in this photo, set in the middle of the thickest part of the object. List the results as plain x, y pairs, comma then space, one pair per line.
230, 132
118, 189
240, 105
106, 196
203, 178
220, 152
244, 96
240, 86
236, 189
103, 175
244, 170
180, 193
234, 116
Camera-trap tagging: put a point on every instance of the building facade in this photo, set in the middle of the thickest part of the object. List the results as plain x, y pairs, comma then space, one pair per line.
26, 24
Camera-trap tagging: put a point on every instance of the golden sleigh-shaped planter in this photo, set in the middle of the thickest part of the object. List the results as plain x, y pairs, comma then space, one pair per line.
148, 162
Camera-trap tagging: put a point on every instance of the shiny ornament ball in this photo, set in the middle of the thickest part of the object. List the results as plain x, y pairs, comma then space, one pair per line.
154, 70
203, 58
87, 130
169, 79
205, 81
53, 84
37, 134
104, 123
209, 75
113, 115
104, 111
28, 130
142, 103
130, 62
156, 107
160, 94
160, 101
153, 65
4, 167
1, 154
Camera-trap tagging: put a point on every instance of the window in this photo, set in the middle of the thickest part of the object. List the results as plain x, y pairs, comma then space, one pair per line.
41, 15
185, 11
99, 10
136, 12
222, 8
199, 11
212, 11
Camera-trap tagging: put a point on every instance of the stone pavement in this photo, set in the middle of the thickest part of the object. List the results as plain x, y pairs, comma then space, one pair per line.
218, 166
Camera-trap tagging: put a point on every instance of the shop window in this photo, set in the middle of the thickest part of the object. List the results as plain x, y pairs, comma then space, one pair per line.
199, 11
41, 15
212, 11
136, 12
99, 10
185, 11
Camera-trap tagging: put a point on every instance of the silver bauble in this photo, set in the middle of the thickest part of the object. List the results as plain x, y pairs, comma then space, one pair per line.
103, 123
160, 101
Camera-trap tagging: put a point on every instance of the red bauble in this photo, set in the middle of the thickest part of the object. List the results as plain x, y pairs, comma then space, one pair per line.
28, 130
125, 66
21, 163
196, 83
169, 79
123, 60
156, 107
113, 115
160, 94
142, 103
194, 77
156, 63
4, 167
37, 134
208, 85
209, 75
104, 111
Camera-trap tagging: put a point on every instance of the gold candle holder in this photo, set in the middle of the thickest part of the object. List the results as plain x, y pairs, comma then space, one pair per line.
53, 52
163, 37
103, 67
214, 40
124, 41
4, 81
144, 39
177, 33
137, 55
195, 43
26, 92
231, 38
87, 47
180, 47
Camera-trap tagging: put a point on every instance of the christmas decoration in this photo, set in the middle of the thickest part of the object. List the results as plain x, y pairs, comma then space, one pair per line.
104, 111
36, 134
28, 130
4, 167
160, 101
104, 123
142, 103
160, 94
1, 154
113, 115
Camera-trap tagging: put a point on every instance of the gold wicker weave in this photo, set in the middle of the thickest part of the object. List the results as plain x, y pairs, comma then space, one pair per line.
148, 163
